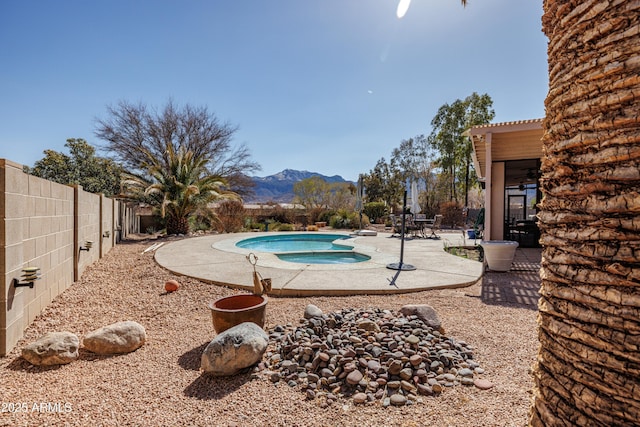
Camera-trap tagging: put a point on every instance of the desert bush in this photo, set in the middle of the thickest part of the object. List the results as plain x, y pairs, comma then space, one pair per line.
347, 219
375, 211
283, 227
282, 215
230, 216
326, 215
451, 214
314, 215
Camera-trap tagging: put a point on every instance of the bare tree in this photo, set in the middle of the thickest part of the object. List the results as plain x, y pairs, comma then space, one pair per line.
137, 137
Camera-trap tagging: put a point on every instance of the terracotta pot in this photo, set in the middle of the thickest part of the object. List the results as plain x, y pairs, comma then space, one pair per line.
499, 253
231, 311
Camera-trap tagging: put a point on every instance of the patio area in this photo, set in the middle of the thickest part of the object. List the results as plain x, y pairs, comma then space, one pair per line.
215, 259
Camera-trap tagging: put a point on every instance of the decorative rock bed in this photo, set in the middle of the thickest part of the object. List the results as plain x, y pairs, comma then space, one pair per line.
369, 355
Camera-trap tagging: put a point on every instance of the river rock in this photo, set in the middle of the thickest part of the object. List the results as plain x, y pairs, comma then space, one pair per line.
348, 356
368, 325
234, 349
359, 398
424, 312
483, 384
354, 377
117, 338
312, 311
398, 400
54, 348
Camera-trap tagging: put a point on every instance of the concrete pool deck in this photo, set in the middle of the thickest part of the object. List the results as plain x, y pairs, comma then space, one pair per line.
215, 259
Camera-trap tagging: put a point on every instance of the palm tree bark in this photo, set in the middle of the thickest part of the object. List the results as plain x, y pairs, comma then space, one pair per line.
588, 366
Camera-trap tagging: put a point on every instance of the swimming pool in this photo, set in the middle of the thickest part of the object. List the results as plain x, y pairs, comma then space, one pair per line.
305, 248
294, 243
330, 257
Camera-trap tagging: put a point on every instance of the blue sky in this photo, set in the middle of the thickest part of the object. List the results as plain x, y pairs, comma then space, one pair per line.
328, 86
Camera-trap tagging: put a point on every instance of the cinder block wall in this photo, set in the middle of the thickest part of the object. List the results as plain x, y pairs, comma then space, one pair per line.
44, 224
87, 229
107, 225
37, 230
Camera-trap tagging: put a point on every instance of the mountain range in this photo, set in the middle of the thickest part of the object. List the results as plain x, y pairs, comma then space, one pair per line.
279, 187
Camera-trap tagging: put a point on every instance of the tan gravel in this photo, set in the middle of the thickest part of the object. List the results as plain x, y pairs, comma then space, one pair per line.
160, 384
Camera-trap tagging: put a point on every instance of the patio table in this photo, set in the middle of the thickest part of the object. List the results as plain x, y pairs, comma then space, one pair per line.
422, 224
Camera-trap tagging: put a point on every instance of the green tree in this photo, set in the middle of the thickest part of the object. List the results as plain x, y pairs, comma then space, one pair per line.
182, 186
315, 193
81, 166
341, 195
409, 158
415, 158
384, 183
455, 149
311, 192
137, 137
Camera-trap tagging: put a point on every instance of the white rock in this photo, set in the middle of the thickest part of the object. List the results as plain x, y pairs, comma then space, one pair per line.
234, 349
54, 348
117, 338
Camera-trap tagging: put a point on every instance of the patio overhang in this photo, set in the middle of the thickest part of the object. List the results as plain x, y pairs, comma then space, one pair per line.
508, 140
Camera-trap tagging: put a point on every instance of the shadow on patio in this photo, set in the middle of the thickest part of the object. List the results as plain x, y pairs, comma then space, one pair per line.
517, 287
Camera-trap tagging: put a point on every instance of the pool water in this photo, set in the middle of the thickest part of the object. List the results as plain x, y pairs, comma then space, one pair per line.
324, 257
305, 248
294, 243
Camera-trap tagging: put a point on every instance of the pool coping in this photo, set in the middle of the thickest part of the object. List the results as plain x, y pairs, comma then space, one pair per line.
215, 259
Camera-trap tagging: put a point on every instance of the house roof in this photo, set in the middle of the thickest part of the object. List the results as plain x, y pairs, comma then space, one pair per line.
517, 140
506, 125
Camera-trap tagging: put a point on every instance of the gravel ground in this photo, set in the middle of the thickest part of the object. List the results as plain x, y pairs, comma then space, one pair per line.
160, 384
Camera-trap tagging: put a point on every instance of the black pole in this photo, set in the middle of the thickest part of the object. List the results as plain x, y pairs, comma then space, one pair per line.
401, 266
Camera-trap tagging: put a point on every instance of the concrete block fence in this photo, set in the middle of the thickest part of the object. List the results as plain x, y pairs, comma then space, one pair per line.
48, 225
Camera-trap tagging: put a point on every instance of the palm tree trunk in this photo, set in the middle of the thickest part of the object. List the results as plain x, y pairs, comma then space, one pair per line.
588, 366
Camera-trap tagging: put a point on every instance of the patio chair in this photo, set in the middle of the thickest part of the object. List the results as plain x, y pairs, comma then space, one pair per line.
393, 220
437, 223
478, 226
396, 224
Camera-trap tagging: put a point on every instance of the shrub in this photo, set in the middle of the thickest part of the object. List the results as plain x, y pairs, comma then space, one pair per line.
315, 215
283, 227
451, 214
282, 215
230, 215
347, 219
375, 211
325, 216
203, 219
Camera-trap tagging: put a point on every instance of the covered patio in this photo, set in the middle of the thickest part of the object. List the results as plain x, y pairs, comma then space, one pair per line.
506, 157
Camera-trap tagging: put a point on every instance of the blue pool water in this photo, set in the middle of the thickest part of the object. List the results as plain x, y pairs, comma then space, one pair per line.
324, 257
308, 248
294, 243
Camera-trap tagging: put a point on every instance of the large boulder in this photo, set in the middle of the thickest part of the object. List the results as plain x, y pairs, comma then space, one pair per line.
424, 312
117, 338
54, 348
234, 349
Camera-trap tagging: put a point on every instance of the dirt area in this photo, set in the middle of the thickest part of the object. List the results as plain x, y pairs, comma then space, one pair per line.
161, 384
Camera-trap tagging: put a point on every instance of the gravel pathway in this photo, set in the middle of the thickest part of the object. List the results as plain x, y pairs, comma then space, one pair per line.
160, 384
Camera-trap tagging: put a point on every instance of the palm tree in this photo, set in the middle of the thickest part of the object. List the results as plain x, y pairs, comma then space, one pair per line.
180, 189
588, 365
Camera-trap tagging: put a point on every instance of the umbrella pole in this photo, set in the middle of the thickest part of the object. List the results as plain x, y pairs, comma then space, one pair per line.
401, 266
